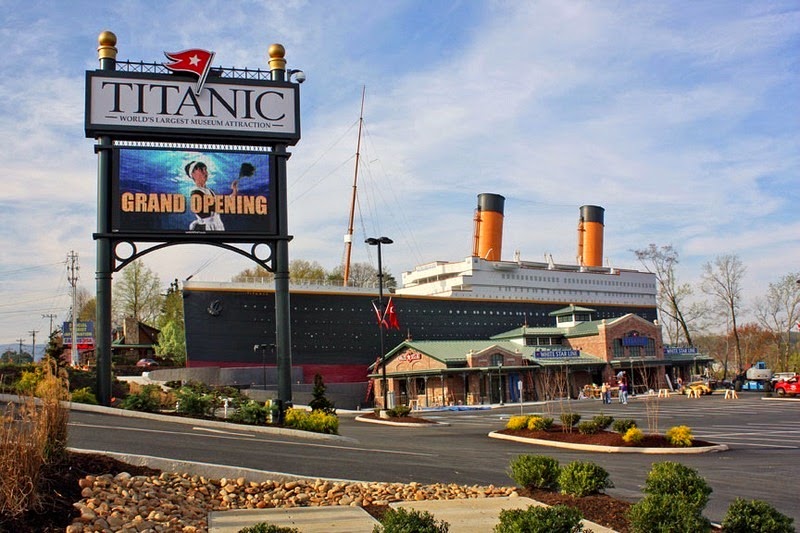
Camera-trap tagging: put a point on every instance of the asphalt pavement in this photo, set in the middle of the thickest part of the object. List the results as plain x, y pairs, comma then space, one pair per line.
763, 437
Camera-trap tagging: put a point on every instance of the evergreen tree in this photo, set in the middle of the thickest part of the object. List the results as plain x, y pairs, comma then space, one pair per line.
320, 402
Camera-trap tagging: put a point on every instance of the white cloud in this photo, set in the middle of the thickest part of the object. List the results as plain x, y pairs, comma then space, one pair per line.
677, 118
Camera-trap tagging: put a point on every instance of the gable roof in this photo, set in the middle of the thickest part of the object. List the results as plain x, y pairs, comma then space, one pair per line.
456, 351
570, 309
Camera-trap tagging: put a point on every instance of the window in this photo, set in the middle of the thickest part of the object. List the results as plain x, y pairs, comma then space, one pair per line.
497, 359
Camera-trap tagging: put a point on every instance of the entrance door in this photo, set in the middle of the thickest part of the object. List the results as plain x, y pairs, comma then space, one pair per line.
497, 388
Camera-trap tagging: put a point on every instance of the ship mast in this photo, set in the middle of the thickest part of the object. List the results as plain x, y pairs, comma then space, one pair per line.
348, 238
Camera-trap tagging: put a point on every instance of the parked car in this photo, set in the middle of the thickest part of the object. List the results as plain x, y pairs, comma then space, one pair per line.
787, 387
777, 376
147, 364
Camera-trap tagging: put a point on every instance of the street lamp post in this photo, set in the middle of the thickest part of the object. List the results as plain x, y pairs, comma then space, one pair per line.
378, 242
263, 348
500, 382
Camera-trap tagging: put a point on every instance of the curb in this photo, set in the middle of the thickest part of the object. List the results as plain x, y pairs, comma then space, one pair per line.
208, 470
400, 424
217, 424
610, 449
210, 423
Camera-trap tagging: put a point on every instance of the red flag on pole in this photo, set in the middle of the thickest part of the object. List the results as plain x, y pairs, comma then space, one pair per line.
390, 316
194, 60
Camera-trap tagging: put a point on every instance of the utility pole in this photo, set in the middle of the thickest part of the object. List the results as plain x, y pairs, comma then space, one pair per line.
51, 317
72, 277
33, 333
19, 353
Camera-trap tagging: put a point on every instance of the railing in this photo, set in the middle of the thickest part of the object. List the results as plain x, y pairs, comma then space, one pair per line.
215, 72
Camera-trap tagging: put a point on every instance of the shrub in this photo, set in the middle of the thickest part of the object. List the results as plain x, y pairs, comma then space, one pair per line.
663, 513
540, 423
251, 412
603, 421
570, 419
83, 395
583, 478
588, 428
147, 400
518, 422
315, 421
540, 519
28, 381
400, 410
755, 516
402, 521
263, 527
534, 471
679, 436
623, 425
194, 401
633, 436
669, 478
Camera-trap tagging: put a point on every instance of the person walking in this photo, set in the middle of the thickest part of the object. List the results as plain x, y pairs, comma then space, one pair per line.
623, 390
605, 391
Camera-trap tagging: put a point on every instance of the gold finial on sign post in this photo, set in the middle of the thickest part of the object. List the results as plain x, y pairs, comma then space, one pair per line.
277, 60
106, 49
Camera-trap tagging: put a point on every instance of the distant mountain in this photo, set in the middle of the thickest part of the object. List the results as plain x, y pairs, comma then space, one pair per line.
25, 348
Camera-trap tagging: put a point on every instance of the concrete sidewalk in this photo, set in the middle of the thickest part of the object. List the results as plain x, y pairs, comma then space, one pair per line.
463, 516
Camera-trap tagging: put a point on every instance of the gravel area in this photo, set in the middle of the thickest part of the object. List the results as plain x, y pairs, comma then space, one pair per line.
181, 502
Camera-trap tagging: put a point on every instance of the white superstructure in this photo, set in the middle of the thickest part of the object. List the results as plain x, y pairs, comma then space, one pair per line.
525, 280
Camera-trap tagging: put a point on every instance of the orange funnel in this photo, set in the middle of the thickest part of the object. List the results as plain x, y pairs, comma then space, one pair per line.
489, 227
590, 236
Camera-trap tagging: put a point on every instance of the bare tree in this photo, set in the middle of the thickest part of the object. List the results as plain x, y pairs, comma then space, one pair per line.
671, 294
722, 280
779, 312
252, 274
362, 275
300, 270
87, 304
137, 293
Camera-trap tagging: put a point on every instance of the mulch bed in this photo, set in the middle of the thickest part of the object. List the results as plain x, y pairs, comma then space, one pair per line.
401, 419
602, 438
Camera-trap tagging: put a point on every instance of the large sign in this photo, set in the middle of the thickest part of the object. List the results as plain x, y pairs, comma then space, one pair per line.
85, 331
190, 192
138, 106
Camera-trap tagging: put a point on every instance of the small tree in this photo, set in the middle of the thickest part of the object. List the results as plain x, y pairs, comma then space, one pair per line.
320, 402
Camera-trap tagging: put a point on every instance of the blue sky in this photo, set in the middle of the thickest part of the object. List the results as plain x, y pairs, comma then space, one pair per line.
681, 119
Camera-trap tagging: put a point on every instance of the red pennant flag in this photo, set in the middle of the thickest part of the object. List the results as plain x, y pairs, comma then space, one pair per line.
194, 60
390, 317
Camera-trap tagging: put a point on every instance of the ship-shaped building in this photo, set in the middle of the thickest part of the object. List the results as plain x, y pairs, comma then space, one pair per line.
334, 330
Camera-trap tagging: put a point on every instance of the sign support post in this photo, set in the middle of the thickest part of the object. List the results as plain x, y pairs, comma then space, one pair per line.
277, 65
107, 54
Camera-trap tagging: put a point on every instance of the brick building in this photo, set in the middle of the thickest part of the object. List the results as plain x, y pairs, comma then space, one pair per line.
536, 363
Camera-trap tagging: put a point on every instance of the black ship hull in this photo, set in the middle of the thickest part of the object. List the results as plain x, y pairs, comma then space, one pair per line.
336, 333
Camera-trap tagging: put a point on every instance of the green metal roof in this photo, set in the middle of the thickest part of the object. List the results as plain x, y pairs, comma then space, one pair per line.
569, 310
524, 331
688, 358
456, 351
583, 360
